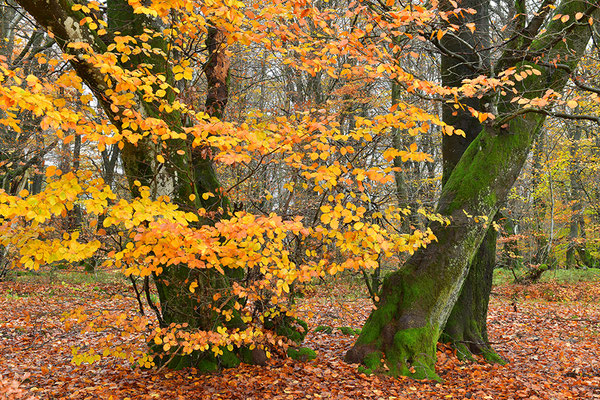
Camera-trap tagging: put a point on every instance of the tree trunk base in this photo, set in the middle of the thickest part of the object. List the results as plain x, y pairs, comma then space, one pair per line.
207, 362
397, 339
293, 329
466, 327
412, 353
470, 344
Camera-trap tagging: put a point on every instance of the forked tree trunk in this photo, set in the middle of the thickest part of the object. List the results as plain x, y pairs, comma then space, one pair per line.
415, 302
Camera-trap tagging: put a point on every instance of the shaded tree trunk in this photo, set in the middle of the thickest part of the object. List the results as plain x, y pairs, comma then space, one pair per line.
466, 328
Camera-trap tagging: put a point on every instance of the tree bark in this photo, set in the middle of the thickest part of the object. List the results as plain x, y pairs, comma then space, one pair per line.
416, 300
466, 327
467, 58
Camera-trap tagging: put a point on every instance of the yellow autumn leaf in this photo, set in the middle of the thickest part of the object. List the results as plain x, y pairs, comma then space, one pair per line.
50, 171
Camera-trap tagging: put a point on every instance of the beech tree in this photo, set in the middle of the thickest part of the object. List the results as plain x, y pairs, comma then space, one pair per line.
466, 55
417, 300
222, 276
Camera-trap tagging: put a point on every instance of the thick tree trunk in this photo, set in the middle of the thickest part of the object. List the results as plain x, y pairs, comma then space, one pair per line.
415, 302
466, 328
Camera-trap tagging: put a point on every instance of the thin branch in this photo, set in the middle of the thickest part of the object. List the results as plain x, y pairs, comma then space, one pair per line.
583, 86
548, 113
137, 294
161, 322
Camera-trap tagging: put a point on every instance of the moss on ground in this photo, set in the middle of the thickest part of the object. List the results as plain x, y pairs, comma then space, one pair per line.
301, 354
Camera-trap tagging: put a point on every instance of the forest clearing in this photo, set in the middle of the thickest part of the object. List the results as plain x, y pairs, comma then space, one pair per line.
548, 332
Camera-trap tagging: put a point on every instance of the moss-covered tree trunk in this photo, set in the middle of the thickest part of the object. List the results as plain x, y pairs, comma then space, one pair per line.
416, 301
466, 58
466, 327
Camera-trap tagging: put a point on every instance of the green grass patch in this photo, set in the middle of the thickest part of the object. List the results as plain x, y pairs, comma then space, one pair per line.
571, 275
504, 276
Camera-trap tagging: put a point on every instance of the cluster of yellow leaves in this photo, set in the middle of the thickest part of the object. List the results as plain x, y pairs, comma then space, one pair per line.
25, 223
122, 334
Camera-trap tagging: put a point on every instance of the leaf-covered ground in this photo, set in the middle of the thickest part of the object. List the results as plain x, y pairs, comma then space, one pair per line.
549, 333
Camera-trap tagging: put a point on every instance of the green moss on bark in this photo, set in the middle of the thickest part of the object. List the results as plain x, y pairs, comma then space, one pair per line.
466, 328
294, 329
373, 361
229, 359
324, 329
206, 366
346, 330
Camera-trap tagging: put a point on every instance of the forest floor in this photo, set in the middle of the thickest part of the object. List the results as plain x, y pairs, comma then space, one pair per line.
548, 332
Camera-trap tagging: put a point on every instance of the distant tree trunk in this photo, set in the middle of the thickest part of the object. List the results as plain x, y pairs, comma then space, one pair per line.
577, 247
510, 252
540, 252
